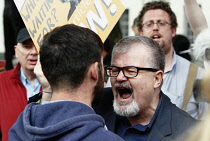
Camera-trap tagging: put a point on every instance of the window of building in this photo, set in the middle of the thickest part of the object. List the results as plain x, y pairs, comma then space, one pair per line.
124, 23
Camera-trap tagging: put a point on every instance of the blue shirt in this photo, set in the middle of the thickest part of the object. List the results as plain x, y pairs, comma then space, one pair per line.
174, 82
30, 88
136, 132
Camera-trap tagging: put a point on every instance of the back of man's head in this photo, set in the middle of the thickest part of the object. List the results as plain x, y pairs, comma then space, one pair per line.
66, 54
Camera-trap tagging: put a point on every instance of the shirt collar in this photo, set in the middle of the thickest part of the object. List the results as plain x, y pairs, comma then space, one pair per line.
148, 127
23, 77
24, 80
143, 128
156, 113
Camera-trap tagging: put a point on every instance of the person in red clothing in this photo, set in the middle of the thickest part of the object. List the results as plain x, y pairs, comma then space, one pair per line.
18, 84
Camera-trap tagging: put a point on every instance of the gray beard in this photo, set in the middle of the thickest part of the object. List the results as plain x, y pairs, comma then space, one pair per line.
131, 111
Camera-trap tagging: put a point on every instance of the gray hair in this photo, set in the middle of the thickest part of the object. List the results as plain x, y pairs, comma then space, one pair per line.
157, 56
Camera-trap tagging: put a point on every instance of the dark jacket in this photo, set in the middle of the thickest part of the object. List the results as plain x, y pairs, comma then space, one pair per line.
171, 121
60, 121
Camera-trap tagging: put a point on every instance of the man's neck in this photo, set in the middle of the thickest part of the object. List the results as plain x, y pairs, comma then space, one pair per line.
142, 119
29, 74
146, 114
168, 59
78, 95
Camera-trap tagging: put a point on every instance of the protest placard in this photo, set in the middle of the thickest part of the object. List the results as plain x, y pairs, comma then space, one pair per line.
42, 16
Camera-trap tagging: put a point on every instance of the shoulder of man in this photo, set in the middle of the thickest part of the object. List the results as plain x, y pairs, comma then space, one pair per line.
179, 118
171, 121
175, 110
13, 73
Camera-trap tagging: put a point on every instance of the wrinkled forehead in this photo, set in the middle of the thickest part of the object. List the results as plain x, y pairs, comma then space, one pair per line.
133, 47
135, 54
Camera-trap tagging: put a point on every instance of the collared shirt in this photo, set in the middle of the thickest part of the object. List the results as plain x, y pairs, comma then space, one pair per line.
30, 88
136, 132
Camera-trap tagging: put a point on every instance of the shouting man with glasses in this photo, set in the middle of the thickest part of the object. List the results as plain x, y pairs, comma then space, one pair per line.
158, 22
143, 111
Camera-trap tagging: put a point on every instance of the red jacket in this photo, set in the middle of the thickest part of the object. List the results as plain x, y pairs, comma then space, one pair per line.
13, 99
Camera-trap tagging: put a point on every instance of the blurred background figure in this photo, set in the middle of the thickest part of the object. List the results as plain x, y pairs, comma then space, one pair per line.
181, 44
201, 50
19, 84
201, 131
107, 55
12, 22
201, 47
108, 46
135, 27
199, 26
2, 65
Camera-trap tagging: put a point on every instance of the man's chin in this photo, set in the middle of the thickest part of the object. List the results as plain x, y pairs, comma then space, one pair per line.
159, 41
119, 105
31, 67
123, 104
127, 110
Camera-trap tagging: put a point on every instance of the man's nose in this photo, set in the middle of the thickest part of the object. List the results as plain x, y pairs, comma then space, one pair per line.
121, 77
34, 51
155, 26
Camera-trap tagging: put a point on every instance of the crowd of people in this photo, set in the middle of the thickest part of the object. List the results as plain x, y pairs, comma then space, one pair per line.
59, 93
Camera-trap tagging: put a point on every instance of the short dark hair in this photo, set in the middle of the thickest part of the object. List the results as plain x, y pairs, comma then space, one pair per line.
157, 5
66, 54
157, 55
135, 22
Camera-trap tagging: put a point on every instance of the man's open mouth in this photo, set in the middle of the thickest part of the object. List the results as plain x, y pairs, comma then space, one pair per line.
33, 60
156, 36
124, 92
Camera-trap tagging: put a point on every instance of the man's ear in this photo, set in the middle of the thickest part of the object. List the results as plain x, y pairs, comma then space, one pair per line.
15, 48
140, 32
158, 79
94, 71
173, 31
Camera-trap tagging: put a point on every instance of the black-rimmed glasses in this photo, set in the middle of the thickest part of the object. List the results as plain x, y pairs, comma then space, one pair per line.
128, 71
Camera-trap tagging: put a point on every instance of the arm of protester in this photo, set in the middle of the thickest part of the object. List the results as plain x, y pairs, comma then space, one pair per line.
195, 16
46, 89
